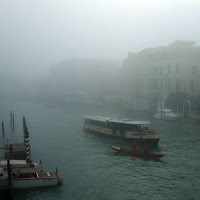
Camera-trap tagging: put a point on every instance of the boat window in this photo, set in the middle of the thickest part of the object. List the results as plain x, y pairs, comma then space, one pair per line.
136, 128
102, 124
95, 123
126, 127
87, 121
99, 124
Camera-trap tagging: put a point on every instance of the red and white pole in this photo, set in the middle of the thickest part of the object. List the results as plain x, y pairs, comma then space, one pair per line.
27, 148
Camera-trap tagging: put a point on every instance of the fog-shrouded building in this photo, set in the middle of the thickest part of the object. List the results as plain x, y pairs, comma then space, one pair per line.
85, 81
154, 74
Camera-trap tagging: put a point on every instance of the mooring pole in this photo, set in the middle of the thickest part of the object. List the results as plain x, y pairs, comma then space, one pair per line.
11, 118
9, 178
3, 131
11, 151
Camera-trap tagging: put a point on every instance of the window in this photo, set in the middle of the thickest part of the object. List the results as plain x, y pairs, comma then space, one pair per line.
100, 124
192, 85
194, 69
151, 84
169, 84
168, 69
161, 83
177, 86
177, 68
156, 83
160, 69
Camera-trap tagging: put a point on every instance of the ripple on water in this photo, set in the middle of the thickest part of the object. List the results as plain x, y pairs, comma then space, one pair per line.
91, 170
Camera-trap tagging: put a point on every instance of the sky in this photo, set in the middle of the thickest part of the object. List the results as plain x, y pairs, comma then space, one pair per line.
34, 34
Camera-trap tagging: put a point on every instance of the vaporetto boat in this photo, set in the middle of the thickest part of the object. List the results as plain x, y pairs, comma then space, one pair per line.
120, 127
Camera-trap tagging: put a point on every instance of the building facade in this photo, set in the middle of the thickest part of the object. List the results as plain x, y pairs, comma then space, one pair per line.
153, 74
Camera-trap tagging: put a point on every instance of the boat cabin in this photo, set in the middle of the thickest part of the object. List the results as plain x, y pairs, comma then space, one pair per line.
115, 123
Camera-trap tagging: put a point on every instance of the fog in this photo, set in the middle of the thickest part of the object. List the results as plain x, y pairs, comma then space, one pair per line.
37, 36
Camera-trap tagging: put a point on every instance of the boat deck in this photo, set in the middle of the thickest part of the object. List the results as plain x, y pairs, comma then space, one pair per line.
40, 175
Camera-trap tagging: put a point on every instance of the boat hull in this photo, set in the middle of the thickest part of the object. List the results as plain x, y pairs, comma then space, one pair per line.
156, 116
136, 154
19, 184
165, 114
32, 182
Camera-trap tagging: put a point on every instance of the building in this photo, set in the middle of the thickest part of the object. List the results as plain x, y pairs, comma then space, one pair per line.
84, 81
153, 74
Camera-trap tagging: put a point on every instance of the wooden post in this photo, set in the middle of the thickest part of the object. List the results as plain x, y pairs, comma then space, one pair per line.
3, 131
9, 169
11, 152
13, 120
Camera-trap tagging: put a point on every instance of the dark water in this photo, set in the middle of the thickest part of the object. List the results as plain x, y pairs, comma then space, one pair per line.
91, 170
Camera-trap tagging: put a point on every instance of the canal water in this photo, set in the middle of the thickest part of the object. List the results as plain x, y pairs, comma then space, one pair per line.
90, 169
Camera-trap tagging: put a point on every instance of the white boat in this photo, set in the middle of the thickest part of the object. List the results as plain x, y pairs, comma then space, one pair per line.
165, 114
125, 128
28, 180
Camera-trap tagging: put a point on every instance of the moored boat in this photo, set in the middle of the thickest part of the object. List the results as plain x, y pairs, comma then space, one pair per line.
28, 180
137, 153
165, 114
121, 127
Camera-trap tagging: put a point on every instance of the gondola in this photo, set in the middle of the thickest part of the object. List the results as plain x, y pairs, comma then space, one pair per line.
140, 154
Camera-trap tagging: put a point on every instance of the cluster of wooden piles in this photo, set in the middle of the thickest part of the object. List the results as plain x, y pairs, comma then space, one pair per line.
16, 150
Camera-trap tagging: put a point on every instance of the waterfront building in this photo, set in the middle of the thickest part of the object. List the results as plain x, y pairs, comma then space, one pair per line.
84, 81
153, 74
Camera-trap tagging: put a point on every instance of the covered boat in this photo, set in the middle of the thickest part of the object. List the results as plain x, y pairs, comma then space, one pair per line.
121, 127
140, 154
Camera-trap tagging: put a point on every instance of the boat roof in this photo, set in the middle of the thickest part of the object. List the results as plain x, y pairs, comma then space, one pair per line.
116, 120
13, 162
164, 109
19, 163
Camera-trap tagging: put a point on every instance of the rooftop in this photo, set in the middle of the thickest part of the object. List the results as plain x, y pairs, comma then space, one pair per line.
117, 120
